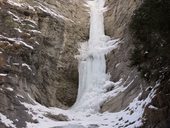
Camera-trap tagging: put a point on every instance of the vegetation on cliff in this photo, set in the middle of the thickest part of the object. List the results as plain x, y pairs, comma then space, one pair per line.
150, 28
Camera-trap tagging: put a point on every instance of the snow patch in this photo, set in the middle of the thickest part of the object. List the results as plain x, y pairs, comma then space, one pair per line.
37, 43
16, 3
31, 21
35, 31
6, 121
2, 74
152, 107
17, 41
19, 30
130, 117
26, 65
117, 65
52, 12
18, 95
16, 18
10, 89
25, 44
16, 64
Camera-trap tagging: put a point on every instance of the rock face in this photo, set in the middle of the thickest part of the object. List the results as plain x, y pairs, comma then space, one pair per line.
153, 35
60, 36
119, 15
38, 41
157, 113
53, 39
117, 20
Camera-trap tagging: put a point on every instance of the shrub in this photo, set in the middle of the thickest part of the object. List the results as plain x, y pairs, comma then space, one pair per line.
150, 29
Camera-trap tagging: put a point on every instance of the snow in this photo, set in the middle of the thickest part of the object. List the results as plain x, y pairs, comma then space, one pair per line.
92, 64
10, 89
117, 65
26, 65
16, 64
16, 18
2, 74
6, 121
31, 21
19, 30
148, 88
18, 4
14, 3
51, 12
25, 44
130, 117
34, 31
37, 43
152, 107
32, 26
17, 41
146, 52
18, 95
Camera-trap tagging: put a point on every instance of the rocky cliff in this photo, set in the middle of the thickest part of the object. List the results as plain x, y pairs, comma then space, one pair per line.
117, 20
38, 42
137, 22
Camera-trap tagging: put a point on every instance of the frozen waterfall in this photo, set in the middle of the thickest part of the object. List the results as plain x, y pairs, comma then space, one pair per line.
92, 64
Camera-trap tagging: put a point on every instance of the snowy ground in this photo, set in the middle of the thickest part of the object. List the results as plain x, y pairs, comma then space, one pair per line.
131, 117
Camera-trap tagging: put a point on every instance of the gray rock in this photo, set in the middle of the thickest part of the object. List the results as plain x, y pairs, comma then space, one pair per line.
50, 76
117, 20
59, 117
70, 126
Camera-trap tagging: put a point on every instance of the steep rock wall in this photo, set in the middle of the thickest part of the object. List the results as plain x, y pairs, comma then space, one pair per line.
117, 25
117, 20
38, 41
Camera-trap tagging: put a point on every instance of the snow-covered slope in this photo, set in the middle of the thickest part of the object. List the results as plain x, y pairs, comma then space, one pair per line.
131, 117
